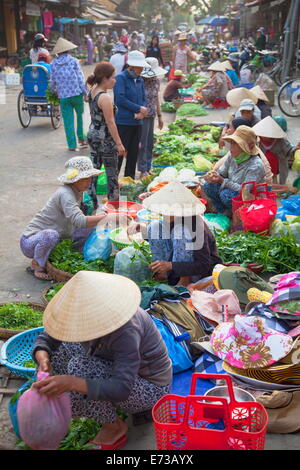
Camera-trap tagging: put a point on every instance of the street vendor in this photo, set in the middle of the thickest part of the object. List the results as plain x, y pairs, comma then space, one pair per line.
243, 164
218, 86
229, 129
249, 111
102, 347
173, 86
60, 217
276, 146
182, 246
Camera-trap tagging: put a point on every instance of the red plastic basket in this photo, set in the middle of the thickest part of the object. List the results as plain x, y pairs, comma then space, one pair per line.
185, 423
259, 191
123, 207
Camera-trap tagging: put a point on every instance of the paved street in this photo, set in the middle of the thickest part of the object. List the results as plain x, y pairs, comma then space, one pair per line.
31, 161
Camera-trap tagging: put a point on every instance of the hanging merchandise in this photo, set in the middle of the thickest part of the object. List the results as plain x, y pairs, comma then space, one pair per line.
48, 22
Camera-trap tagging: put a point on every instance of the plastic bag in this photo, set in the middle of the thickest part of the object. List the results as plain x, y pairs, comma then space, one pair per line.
290, 227
87, 204
259, 216
202, 164
98, 246
296, 162
217, 222
43, 421
177, 354
101, 187
128, 263
292, 204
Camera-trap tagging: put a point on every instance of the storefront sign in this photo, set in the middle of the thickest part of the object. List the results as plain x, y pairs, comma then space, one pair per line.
32, 9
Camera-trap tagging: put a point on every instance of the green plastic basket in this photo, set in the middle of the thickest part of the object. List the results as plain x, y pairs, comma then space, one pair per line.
115, 242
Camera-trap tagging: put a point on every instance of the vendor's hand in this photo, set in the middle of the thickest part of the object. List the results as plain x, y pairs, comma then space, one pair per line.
160, 123
143, 110
133, 228
139, 116
55, 385
43, 360
160, 267
121, 150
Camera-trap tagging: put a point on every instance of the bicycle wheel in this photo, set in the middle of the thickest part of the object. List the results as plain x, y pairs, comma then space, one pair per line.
23, 110
55, 116
289, 98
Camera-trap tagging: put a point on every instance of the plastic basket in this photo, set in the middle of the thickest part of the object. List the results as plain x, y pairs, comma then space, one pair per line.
123, 207
17, 350
209, 423
115, 242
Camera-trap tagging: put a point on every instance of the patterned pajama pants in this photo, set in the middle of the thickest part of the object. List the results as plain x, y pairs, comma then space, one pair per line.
71, 359
221, 198
40, 245
110, 162
68, 105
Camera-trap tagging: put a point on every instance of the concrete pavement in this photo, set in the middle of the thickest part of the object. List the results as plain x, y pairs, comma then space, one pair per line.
31, 161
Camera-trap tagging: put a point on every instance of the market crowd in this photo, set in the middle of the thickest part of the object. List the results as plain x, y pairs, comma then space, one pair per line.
104, 337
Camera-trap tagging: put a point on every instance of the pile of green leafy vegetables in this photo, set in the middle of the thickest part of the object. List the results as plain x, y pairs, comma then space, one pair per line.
273, 253
191, 109
81, 431
67, 259
20, 316
168, 107
53, 291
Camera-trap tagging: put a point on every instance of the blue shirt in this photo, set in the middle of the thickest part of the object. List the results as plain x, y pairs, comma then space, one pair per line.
129, 96
233, 77
66, 76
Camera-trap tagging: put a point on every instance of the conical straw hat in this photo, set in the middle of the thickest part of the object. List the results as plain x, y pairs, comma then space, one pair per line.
175, 200
63, 45
91, 305
227, 65
269, 128
259, 92
237, 95
217, 67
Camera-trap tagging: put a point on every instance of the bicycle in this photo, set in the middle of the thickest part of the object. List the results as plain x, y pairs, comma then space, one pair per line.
289, 98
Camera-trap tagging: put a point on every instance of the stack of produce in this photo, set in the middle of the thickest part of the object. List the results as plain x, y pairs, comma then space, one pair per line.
184, 146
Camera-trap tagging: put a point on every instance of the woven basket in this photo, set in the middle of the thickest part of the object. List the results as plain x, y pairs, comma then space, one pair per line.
45, 291
56, 274
6, 333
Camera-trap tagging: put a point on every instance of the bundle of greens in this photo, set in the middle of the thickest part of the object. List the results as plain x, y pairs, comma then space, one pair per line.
170, 143
168, 107
191, 109
53, 291
181, 127
52, 97
20, 316
168, 159
273, 253
67, 259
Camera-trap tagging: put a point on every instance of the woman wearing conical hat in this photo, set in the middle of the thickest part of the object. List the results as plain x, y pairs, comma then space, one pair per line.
100, 346
276, 146
183, 248
218, 86
67, 80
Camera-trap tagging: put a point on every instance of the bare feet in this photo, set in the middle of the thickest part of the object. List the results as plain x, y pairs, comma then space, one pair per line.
111, 432
39, 271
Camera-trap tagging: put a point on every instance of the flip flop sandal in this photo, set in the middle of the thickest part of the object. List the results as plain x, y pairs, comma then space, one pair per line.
33, 271
117, 445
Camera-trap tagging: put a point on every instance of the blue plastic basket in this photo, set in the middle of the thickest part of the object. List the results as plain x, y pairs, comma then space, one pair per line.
17, 350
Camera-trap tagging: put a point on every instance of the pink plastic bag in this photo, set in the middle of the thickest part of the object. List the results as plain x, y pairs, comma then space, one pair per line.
43, 421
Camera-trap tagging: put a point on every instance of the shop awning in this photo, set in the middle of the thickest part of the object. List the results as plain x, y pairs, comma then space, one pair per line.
81, 21
214, 21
